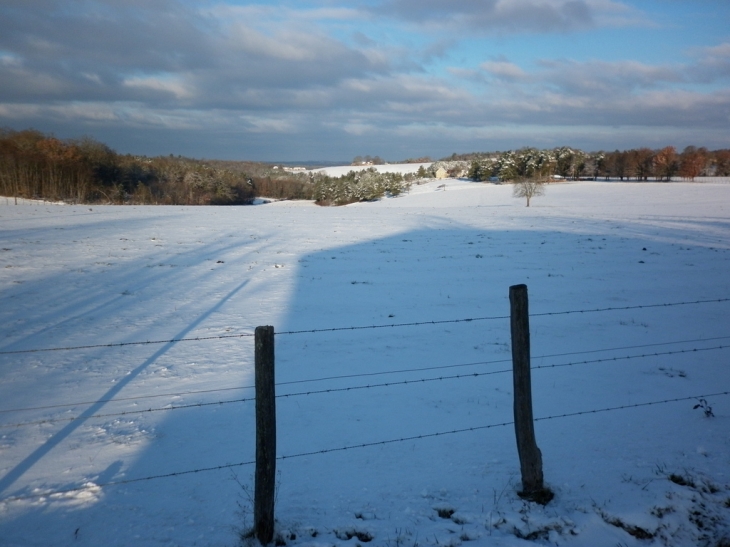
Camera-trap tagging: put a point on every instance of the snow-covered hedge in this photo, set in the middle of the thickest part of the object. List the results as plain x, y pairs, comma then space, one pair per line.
531, 163
366, 185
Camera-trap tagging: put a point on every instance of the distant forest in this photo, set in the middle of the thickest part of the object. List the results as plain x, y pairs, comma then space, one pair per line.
641, 164
38, 166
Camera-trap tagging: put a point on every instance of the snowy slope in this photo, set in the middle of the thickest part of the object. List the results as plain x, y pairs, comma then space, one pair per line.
403, 168
85, 276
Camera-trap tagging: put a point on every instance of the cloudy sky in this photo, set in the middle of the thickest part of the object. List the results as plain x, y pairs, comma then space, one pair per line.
329, 80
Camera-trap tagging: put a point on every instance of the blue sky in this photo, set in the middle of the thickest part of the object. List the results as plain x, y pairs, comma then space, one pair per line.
329, 80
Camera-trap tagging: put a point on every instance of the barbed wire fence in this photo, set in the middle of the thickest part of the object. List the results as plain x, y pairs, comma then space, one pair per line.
388, 372
49, 493
699, 346
332, 390
361, 327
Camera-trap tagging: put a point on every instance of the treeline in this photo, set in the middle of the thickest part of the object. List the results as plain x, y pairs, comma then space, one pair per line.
38, 166
641, 164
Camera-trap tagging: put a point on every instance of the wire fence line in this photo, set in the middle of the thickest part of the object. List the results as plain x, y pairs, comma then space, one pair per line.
89, 485
501, 424
493, 372
363, 327
638, 307
362, 375
496, 361
634, 405
359, 387
494, 317
627, 357
392, 325
121, 344
126, 413
121, 399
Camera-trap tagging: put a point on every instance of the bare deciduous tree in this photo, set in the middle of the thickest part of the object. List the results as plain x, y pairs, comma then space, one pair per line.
528, 189
665, 163
692, 162
641, 163
721, 163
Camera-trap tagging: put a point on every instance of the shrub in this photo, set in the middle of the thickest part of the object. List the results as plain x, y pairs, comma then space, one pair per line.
365, 185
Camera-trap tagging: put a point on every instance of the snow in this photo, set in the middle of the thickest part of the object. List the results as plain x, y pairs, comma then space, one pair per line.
402, 168
91, 275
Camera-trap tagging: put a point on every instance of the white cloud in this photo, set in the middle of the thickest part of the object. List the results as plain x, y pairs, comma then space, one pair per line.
268, 74
359, 128
513, 16
721, 51
602, 78
713, 63
173, 85
286, 44
10, 61
619, 14
504, 70
260, 124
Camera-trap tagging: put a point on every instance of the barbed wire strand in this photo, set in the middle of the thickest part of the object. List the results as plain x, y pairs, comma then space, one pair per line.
638, 307
121, 399
501, 424
393, 325
362, 445
127, 413
494, 317
627, 357
358, 375
356, 388
496, 361
121, 344
492, 372
634, 405
383, 326
125, 481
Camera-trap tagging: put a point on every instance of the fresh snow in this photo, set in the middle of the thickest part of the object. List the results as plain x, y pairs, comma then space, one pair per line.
96, 275
402, 168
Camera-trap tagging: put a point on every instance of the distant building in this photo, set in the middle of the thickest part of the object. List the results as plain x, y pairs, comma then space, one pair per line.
441, 173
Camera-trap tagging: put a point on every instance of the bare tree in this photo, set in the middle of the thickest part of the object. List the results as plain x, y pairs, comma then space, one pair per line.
528, 189
641, 163
692, 162
665, 163
721, 163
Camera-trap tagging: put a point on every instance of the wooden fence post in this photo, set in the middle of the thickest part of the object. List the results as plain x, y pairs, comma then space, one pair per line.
265, 481
530, 455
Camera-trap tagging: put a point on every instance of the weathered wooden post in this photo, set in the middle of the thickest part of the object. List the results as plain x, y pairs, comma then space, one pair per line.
265, 481
530, 455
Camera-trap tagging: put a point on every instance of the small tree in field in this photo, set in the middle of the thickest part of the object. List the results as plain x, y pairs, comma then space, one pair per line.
528, 189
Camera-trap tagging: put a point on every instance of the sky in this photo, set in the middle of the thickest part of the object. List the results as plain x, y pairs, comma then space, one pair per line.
330, 80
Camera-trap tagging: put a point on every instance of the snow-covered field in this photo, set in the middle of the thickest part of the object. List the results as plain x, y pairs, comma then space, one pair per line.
642, 475
403, 168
